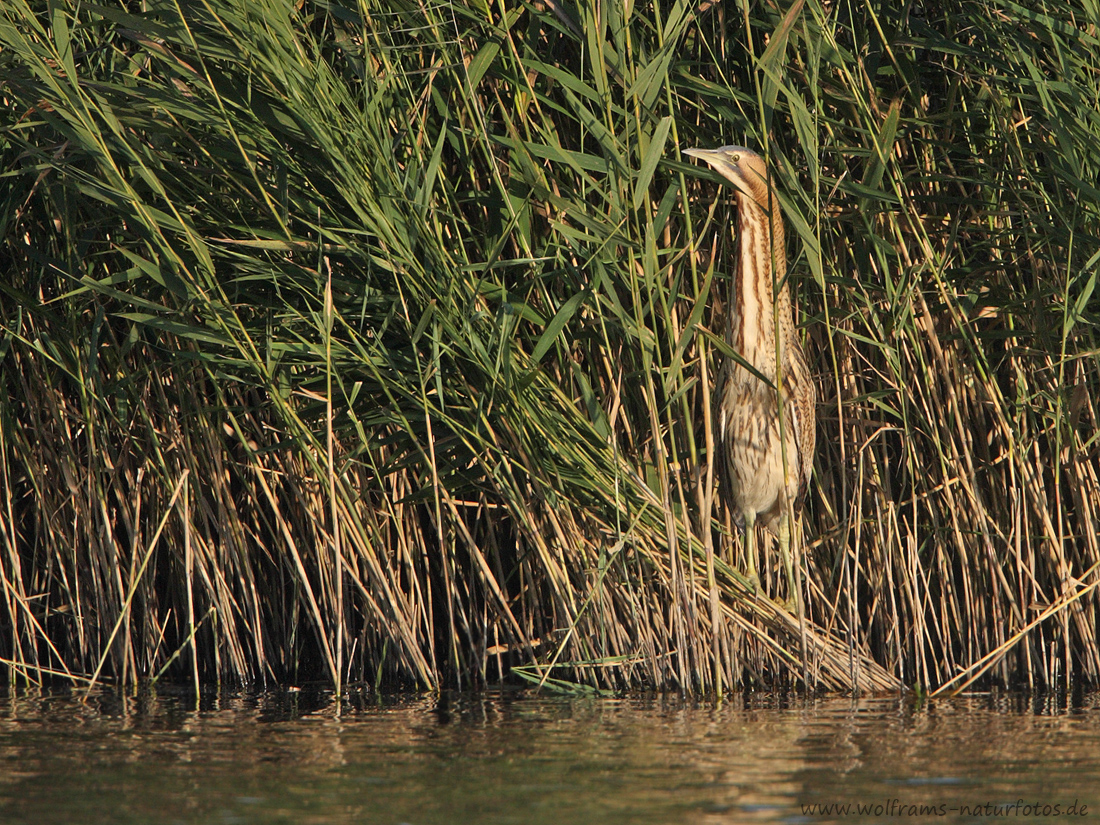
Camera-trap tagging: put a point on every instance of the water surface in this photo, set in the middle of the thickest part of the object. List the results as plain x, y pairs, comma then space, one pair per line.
521, 758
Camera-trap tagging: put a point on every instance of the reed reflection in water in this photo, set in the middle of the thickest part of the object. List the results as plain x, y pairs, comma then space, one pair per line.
513, 757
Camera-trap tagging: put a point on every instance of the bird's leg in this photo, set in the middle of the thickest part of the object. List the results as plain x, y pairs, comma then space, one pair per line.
729, 550
795, 604
785, 552
750, 550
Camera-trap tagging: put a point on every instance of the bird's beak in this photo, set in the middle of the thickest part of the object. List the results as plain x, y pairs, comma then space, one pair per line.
715, 158
702, 154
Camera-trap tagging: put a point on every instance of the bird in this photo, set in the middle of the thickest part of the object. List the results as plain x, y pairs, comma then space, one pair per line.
764, 443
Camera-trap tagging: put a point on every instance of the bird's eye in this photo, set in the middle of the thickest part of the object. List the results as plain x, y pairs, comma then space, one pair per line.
736, 158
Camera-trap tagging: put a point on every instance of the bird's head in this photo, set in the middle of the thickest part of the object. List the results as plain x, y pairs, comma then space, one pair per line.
742, 167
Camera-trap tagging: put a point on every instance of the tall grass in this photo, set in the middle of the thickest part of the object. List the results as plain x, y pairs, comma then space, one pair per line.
373, 342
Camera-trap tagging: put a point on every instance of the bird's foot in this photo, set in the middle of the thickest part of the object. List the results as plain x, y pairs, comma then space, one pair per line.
754, 583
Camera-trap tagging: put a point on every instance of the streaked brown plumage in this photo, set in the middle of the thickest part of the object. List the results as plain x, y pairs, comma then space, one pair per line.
759, 474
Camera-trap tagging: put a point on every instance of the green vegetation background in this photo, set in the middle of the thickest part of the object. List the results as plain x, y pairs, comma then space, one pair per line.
372, 342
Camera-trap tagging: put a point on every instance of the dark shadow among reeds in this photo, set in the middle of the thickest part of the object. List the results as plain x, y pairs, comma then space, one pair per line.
370, 342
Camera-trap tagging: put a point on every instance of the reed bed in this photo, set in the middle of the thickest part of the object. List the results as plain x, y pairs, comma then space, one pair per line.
372, 342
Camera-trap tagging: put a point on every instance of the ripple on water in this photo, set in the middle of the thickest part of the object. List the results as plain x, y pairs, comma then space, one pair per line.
511, 756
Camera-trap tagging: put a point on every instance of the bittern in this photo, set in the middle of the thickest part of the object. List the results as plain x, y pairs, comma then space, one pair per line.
765, 437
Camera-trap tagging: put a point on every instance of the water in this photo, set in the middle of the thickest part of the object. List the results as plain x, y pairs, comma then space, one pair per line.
520, 758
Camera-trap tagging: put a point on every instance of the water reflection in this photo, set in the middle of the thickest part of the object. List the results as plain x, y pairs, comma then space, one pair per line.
515, 757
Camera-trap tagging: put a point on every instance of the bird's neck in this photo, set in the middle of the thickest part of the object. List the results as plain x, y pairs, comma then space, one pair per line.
761, 268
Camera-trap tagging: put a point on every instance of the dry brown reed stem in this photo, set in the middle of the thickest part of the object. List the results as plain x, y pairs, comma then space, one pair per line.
413, 307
